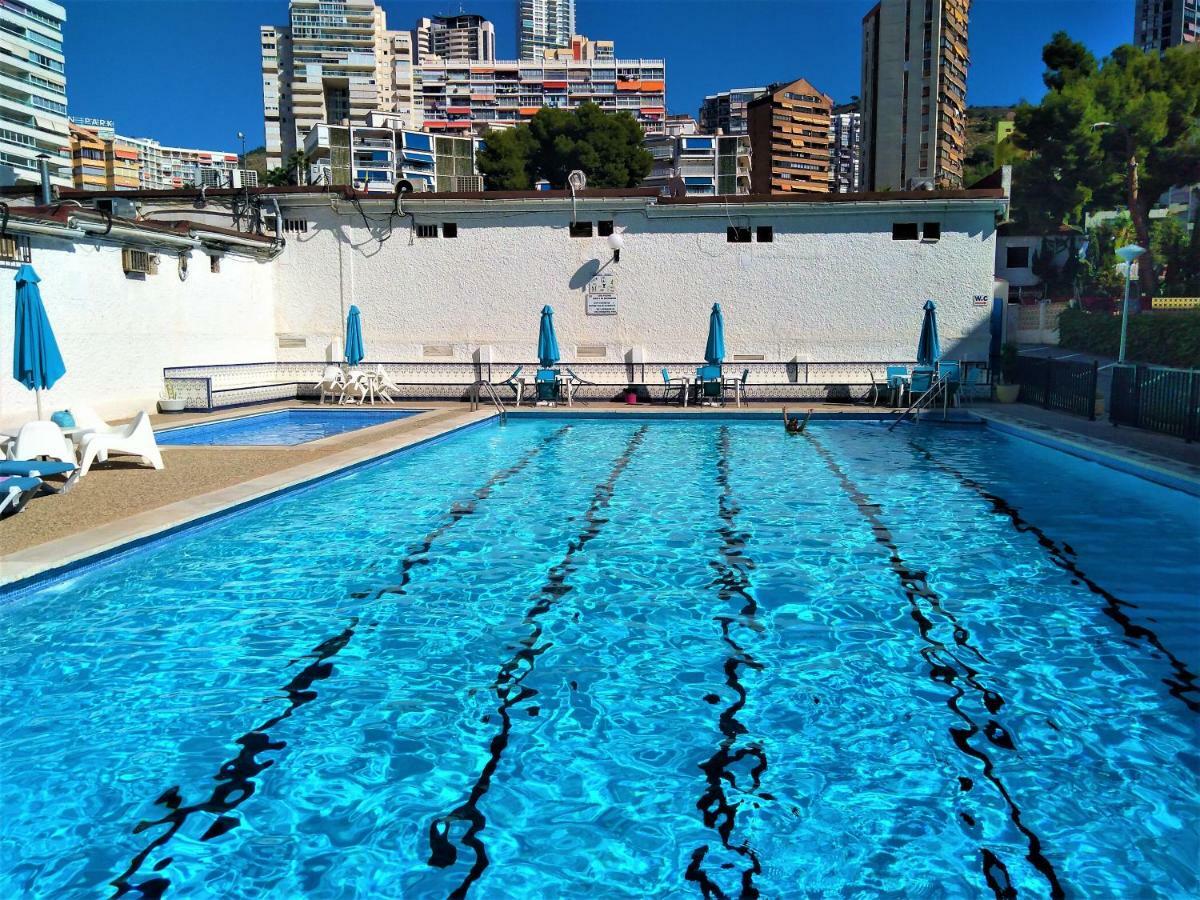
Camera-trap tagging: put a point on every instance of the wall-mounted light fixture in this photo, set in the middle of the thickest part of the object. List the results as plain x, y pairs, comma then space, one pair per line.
616, 243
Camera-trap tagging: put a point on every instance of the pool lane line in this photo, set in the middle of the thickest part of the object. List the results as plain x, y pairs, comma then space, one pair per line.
1062, 555
509, 688
254, 742
458, 511
733, 582
914, 585
235, 779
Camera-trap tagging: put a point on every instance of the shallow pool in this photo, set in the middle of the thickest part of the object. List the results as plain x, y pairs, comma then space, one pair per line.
627, 658
281, 427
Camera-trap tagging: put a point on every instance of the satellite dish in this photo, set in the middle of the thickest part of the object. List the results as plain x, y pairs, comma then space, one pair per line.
577, 181
676, 187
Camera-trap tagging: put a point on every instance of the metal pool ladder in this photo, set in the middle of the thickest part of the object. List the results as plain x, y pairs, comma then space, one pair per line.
939, 389
495, 398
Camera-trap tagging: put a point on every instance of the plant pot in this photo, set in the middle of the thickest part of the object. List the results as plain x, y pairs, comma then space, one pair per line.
172, 405
1007, 393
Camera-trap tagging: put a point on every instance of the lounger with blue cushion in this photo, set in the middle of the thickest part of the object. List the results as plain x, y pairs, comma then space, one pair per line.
32, 468
16, 492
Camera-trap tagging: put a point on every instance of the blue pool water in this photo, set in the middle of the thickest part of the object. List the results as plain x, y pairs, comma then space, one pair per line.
627, 659
284, 426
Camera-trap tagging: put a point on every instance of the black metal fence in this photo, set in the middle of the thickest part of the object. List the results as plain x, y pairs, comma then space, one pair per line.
1157, 399
1058, 384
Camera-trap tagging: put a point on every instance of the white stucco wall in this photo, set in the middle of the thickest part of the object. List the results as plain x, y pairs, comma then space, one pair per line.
117, 332
833, 286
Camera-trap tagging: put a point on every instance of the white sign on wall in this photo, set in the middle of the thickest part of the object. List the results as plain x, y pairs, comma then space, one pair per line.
602, 296
601, 304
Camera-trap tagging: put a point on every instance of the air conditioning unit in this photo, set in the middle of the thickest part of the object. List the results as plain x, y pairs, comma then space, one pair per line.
467, 183
138, 261
118, 207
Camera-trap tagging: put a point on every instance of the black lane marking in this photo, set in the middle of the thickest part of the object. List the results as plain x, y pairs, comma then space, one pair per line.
947, 668
235, 779
241, 770
733, 584
1061, 554
419, 551
509, 689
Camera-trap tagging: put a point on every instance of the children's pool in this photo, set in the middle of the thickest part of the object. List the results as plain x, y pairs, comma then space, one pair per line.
626, 658
281, 427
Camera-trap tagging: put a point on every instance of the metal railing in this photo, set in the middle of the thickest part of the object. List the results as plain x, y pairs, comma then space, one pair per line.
939, 388
1058, 384
488, 388
1157, 399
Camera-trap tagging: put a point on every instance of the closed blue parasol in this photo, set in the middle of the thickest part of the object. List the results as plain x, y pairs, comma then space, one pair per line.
929, 351
547, 342
354, 341
714, 350
37, 364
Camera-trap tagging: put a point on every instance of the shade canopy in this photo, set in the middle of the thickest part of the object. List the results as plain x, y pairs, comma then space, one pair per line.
547, 342
37, 363
714, 350
929, 350
354, 340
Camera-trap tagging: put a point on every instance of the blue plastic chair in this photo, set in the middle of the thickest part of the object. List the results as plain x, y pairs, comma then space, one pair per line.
951, 373
547, 384
710, 380
669, 386
920, 381
511, 381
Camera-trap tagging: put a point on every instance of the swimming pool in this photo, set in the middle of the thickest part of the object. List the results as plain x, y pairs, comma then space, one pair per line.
281, 427
626, 658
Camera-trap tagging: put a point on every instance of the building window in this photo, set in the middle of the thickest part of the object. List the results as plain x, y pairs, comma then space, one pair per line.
581, 229
604, 228
427, 231
449, 229
904, 231
766, 234
1017, 258
295, 226
15, 249
931, 231
737, 235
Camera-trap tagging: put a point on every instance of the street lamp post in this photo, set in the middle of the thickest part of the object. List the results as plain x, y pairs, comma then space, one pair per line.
1128, 253
242, 159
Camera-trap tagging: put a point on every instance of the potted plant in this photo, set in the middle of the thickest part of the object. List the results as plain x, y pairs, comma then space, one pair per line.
1007, 388
171, 402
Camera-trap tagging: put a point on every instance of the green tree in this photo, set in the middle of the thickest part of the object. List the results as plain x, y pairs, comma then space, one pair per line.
1179, 265
1153, 103
606, 146
293, 171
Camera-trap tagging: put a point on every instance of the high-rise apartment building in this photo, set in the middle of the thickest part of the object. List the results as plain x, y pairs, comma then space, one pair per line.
334, 62
789, 137
1159, 24
102, 160
914, 93
544, 25
707, 164
725, 113
464, 36
582, 48
33, 104
465, 97
845, 148
373, 157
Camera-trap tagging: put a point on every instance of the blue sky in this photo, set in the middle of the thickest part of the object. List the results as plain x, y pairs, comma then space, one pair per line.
187, 71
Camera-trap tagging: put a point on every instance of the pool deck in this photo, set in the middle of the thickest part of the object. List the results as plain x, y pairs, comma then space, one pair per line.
124, 501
